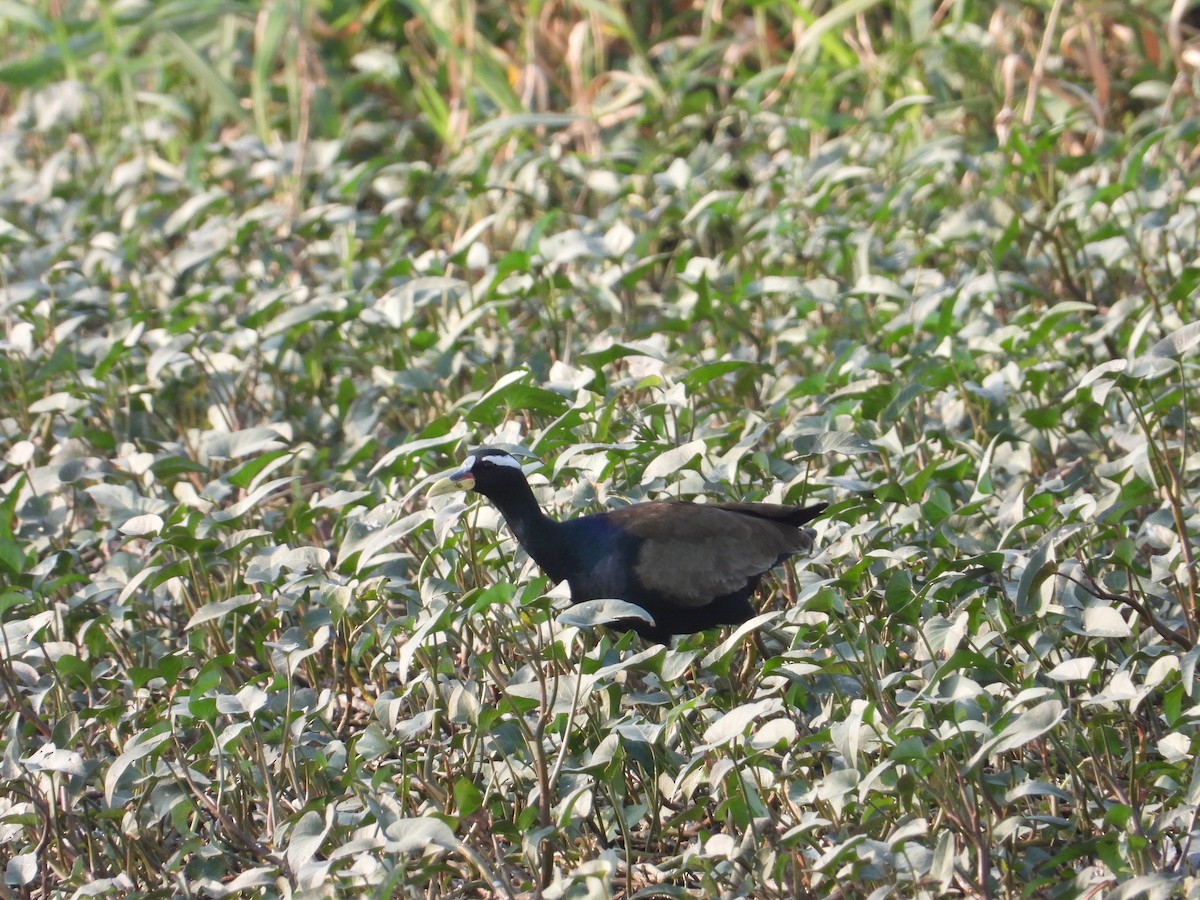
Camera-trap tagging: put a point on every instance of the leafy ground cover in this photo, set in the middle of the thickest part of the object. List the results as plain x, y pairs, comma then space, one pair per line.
266, 271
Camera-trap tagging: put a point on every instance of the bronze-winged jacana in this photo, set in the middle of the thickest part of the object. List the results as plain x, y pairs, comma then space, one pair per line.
691, 566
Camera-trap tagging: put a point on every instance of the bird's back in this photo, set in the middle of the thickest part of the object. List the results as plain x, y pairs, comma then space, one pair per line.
679, 554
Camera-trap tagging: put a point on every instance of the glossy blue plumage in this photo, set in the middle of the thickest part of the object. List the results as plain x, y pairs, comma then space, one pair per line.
692, 566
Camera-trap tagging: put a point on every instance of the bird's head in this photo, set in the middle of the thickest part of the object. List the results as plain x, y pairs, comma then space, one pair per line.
486, 471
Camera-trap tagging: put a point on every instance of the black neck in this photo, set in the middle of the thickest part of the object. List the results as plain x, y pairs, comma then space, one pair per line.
533, 529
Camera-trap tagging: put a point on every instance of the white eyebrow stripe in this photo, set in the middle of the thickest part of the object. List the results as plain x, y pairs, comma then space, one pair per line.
511, 461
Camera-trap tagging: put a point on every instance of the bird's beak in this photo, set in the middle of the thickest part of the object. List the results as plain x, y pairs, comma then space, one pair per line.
460, 481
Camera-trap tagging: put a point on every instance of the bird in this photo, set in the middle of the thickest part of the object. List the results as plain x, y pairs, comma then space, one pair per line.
691, 566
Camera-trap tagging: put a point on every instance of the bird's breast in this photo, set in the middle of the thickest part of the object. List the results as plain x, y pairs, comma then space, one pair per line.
602, 579
601, 561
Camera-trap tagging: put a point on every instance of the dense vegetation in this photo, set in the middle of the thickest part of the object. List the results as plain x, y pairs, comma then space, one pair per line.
267, 270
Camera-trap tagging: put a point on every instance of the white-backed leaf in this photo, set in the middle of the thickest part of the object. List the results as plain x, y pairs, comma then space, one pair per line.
1073, 669
60, 402
295, 648
251, 500
734, 723
735, 638
590, 613
1099, 379
21, 869
776, 284
721, 846
141, 746
417, 834
236, 444
49, 758
560, 694
1175, 747
120, 502
17, 637
259, 876
672, 461
189, 209
1104, 621
425, 633
1119, 689
269, 563
836, 787
396, 308
306, 838
1159, 886
337, 499
1149, 366
1033, 788
1026, 727
1039, 567
220, 609
385, 537
941, 636
1187, 670
1159, 670
411, 448
148, 523
604, 752
773, 732
941, 869
635, 659
522, 122
567, 246
1179, 342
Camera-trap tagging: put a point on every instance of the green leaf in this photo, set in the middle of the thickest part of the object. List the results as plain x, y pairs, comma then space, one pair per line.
512, 394
245, 474
73, 668
1043, 418
467, 797
1173, 704
210, 675
902, 600
12, 557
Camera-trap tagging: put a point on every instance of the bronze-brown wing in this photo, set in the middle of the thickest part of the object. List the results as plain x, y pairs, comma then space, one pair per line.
693, 553
792, 515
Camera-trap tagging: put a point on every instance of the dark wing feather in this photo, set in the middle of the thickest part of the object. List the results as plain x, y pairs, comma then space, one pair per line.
693, 553
791, 515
